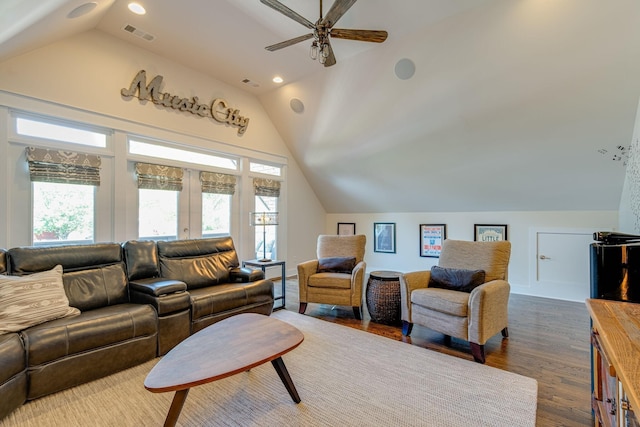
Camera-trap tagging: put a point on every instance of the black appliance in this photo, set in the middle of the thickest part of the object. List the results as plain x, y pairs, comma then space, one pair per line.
615, 266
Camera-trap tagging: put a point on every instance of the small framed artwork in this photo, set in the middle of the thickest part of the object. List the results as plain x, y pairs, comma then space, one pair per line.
489, 232
431, 238
384, 237
346, 228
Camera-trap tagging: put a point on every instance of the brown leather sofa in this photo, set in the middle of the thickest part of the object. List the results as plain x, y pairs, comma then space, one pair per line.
13, 366
137, 300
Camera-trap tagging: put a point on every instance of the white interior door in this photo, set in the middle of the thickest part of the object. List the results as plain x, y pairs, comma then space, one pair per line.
560, 263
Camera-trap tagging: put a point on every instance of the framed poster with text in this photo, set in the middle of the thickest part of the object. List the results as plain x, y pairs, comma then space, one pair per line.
489, 232
431, 238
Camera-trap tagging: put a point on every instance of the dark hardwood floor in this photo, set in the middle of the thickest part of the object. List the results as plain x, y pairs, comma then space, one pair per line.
548, 341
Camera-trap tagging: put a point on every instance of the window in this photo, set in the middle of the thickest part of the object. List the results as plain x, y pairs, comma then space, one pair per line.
157, 214
181, 155
266, 236
47, 130
265, 169
62, 213
216, 214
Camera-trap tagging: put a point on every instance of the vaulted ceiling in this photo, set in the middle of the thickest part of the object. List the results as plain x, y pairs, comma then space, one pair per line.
514, 104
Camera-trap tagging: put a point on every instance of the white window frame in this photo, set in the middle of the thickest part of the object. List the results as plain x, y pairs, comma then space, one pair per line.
116, 198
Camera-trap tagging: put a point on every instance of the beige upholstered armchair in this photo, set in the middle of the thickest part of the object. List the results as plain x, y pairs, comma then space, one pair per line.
474, 314
337, 276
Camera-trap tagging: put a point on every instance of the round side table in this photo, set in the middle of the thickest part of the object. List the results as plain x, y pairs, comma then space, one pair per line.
383, 297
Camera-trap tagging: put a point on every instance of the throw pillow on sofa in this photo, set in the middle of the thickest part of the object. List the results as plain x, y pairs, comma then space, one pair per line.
32, 299
456, 279
336, 265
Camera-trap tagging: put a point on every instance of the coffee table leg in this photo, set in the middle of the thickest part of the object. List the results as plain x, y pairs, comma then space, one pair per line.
278, 364
176, 408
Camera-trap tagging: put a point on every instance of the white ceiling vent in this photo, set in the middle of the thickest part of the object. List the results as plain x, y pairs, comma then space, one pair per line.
250, 83
139, 32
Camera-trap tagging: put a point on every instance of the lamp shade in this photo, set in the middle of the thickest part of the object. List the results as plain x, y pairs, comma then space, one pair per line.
264, 218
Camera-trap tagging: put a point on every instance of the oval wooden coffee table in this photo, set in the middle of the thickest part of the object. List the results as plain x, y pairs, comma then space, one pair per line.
226, 348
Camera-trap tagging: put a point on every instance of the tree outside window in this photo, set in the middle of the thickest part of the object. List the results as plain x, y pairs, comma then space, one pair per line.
62, 212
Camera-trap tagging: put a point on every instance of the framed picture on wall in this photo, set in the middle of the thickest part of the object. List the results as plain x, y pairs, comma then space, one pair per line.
384, 237
431, 238
489, 232
346, 228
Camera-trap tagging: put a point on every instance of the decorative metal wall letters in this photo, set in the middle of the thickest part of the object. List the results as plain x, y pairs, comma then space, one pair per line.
218, 110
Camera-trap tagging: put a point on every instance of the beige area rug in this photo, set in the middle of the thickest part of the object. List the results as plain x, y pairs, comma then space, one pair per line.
345, 377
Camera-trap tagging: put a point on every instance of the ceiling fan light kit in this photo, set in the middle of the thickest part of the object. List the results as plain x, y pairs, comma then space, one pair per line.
323, 30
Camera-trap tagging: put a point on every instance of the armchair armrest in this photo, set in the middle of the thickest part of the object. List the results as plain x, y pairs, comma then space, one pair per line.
488, 310
357, 280
408, 283
245, 274
305, 270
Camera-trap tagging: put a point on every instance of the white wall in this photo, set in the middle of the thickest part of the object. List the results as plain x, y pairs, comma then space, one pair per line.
86, 72
460, 227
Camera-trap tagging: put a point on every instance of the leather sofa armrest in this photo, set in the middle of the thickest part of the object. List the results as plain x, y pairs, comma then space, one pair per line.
245, 274
157, 286
165, 295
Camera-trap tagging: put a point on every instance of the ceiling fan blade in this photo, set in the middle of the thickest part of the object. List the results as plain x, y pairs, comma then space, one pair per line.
276, 5
289, 42
331, 59
375, 36
338, 8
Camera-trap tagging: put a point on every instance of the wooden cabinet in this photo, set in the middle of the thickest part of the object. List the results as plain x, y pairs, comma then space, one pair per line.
615, 339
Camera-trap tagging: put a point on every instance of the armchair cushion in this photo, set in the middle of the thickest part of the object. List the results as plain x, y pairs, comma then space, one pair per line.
456, 279
442, 301
336, 265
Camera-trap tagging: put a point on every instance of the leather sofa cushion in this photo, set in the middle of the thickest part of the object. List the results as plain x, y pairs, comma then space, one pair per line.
26, 260
141, 259
198, 262
90, 330
442, 300
12, 356
455, 279
196, 272
94, 275
218, 299
97, 287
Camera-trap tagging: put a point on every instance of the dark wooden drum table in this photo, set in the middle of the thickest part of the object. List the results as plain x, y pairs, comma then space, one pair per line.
226, 348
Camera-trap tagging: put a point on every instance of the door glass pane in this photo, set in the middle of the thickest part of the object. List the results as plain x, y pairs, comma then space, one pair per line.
158, 214
62, 213
266, 234
216, 214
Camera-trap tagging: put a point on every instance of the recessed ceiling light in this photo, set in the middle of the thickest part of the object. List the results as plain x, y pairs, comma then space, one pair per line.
137, 8
277, 79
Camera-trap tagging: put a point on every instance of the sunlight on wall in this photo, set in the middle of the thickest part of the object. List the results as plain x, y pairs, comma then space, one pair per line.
633, 182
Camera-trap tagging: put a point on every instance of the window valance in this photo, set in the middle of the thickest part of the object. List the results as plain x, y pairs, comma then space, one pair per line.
219, 183
65, 167
266, 187
159, 177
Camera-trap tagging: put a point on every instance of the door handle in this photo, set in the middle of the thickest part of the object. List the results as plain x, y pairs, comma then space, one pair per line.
544, 257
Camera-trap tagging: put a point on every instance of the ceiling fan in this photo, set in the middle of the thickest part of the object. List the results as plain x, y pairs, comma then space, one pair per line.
323, 30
